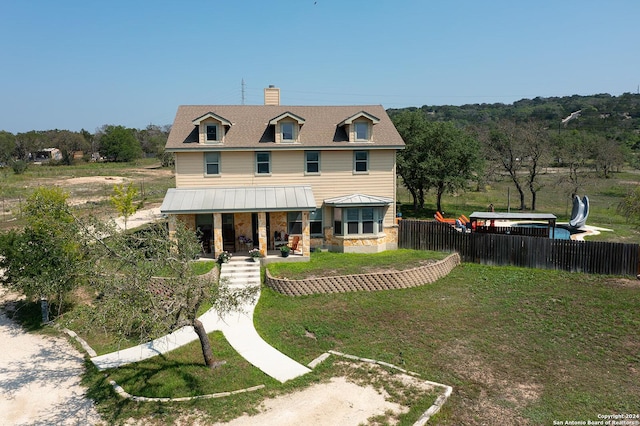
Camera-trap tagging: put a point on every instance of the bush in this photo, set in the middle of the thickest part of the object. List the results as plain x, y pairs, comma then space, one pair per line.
19, 166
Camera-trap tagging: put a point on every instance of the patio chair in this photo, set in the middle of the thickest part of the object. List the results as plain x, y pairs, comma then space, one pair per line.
294, 244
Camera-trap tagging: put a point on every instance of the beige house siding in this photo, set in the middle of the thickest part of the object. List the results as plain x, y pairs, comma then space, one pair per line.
336, 172
237, 168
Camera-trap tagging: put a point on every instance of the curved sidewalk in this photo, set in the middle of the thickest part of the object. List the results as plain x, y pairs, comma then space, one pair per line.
237, 328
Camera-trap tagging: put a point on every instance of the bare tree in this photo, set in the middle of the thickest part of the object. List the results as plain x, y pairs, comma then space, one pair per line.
522, 150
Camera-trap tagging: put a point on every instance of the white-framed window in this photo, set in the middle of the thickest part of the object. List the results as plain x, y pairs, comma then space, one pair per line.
358, 220
361, 130
263, 162
212, 163
312, 162
360, 161
287, 132
211, 133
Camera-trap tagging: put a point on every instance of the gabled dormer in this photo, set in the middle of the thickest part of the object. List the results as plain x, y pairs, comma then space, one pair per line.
287, 127
211, 128
359, 127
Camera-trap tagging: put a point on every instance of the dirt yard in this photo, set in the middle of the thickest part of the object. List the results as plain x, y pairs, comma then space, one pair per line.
40, 378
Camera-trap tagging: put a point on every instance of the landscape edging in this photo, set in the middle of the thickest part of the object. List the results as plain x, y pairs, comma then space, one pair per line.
392, 280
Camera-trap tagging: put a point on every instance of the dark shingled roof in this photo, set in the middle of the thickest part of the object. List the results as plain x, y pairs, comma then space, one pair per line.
250, 127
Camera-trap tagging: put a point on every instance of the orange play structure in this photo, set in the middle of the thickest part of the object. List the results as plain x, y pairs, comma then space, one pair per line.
463, 219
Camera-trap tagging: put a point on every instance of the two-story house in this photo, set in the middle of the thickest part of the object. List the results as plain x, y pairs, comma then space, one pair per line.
265, 173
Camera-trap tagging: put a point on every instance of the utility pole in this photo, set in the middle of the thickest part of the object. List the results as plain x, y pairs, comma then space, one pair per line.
242, 91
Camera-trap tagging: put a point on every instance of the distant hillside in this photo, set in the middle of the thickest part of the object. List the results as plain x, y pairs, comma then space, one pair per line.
616, 116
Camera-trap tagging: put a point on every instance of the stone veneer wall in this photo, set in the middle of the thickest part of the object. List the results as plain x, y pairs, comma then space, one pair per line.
365, 282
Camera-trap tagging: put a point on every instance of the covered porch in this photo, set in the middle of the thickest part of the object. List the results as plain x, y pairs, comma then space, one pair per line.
239, 219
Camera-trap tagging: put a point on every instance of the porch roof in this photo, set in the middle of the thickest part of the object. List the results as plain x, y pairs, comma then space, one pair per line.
238, 199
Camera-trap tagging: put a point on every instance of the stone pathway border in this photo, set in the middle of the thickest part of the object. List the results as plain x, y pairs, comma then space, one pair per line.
422, 420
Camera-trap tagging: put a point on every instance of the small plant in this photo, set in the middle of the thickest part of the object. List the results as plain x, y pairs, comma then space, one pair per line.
255, 253
284, 250
224, 257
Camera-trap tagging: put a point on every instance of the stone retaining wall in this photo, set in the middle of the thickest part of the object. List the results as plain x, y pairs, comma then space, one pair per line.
365, 282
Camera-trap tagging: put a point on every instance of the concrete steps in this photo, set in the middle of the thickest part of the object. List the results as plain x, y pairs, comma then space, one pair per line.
240, 272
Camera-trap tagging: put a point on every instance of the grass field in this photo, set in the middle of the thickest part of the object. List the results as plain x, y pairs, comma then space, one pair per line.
519, 346
89, 186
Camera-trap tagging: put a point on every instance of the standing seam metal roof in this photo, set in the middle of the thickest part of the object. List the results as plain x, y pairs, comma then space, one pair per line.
238, 199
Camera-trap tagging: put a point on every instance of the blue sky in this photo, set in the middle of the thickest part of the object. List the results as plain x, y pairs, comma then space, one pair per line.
71, 64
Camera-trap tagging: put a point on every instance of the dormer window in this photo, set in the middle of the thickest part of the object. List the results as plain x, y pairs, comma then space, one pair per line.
212, 133
359, 127
287, 132
211, 128
287, 127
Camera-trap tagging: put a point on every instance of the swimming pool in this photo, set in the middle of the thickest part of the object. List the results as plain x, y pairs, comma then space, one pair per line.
561, 233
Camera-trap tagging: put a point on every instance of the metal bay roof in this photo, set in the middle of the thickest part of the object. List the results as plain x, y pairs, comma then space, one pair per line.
358, 200
238, 199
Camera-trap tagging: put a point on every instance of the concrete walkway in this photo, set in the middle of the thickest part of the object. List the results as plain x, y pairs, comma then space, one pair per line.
237, 328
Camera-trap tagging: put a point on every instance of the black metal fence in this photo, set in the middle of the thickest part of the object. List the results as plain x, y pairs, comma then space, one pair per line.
519, 250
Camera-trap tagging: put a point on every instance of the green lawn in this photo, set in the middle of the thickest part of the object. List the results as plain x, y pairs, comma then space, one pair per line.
517, 345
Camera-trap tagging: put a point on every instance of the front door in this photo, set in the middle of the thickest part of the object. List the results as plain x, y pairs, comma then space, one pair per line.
228, 233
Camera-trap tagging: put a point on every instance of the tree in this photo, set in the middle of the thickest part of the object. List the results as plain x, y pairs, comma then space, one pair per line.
521, 149
7, 147
537, 147
629, 207
28, 143
45, 259
607, 155
452, 159
437, 155
122, 200
413, 128
134, 301
119, 144
573, 150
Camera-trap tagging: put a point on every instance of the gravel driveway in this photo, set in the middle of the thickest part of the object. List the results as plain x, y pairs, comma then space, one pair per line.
40, 379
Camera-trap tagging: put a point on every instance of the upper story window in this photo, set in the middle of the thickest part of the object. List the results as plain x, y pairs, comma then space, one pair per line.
212, 163
212, 133
287, 132
361, 130
211, 128
287, 127
312, 162
263, 163
360, 161
359, 126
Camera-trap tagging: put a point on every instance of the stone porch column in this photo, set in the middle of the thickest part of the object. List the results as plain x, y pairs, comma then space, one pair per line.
217, 234
306, 234
262, 233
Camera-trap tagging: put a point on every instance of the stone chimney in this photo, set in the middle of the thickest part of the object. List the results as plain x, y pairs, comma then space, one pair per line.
272, 95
